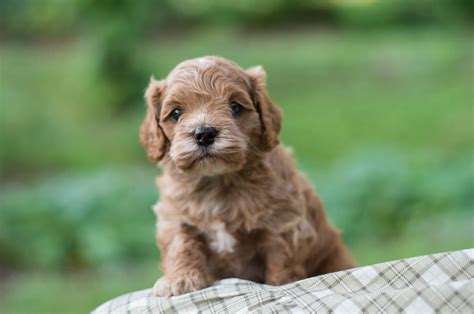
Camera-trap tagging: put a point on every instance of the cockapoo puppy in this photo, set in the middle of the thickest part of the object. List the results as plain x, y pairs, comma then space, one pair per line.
232, 203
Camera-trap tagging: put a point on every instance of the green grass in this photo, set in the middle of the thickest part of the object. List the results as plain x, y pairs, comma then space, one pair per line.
73, 292
342, 90
406, 91
449, 232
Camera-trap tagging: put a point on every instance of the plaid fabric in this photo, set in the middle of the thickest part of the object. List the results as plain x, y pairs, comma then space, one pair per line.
434, 283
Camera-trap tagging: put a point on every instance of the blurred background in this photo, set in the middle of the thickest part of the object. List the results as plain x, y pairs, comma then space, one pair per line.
378, 106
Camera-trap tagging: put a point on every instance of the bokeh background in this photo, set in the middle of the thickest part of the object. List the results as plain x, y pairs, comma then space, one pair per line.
378, 106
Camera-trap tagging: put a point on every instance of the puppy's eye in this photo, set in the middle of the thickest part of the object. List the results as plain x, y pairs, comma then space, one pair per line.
236, 108
175, 114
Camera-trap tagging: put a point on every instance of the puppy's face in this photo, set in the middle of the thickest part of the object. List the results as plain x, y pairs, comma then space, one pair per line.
209, 117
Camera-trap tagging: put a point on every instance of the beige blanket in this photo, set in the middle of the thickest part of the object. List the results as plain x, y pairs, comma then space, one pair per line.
441, 283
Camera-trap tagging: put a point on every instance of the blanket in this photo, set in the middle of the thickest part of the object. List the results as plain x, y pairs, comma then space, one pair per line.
441, 283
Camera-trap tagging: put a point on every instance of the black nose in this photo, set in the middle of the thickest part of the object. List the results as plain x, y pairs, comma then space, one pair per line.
205, 135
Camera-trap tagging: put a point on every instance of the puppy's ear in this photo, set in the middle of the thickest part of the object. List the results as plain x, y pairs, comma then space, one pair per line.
270, 114
151, 133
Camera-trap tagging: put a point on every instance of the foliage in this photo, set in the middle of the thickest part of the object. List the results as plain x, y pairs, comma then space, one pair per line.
46, 18
407, 13
385, 192
24, 19
77, 221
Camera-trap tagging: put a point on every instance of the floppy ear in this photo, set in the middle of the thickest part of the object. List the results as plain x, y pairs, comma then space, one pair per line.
151, 134
270, 114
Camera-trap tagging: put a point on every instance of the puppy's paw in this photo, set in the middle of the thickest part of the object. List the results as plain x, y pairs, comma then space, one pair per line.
168, 286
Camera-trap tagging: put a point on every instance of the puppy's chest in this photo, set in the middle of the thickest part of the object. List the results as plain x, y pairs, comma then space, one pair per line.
224, 242
239, 209
225, 219
219, 239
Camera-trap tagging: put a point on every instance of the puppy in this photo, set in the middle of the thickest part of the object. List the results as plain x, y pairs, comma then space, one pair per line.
232, 203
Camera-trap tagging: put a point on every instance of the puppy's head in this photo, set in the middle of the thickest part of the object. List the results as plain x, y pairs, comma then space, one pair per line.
209, 117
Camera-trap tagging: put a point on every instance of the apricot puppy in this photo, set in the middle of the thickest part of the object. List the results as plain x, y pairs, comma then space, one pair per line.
232, 203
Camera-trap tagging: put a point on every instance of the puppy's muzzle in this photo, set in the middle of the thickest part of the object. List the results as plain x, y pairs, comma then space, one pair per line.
205, 135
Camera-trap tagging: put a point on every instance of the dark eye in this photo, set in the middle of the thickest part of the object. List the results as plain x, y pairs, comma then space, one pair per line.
175, 114
236, 108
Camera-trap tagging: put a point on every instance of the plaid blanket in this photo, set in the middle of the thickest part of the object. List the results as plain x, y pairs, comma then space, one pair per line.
426, 284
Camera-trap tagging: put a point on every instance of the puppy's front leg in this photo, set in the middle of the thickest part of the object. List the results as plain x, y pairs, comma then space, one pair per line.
183, 261
281, 265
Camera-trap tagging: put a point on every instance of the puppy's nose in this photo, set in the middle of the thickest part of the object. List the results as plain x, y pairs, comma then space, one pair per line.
205, 135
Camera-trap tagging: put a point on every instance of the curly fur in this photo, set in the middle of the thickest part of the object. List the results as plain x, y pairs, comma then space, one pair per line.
239, 208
